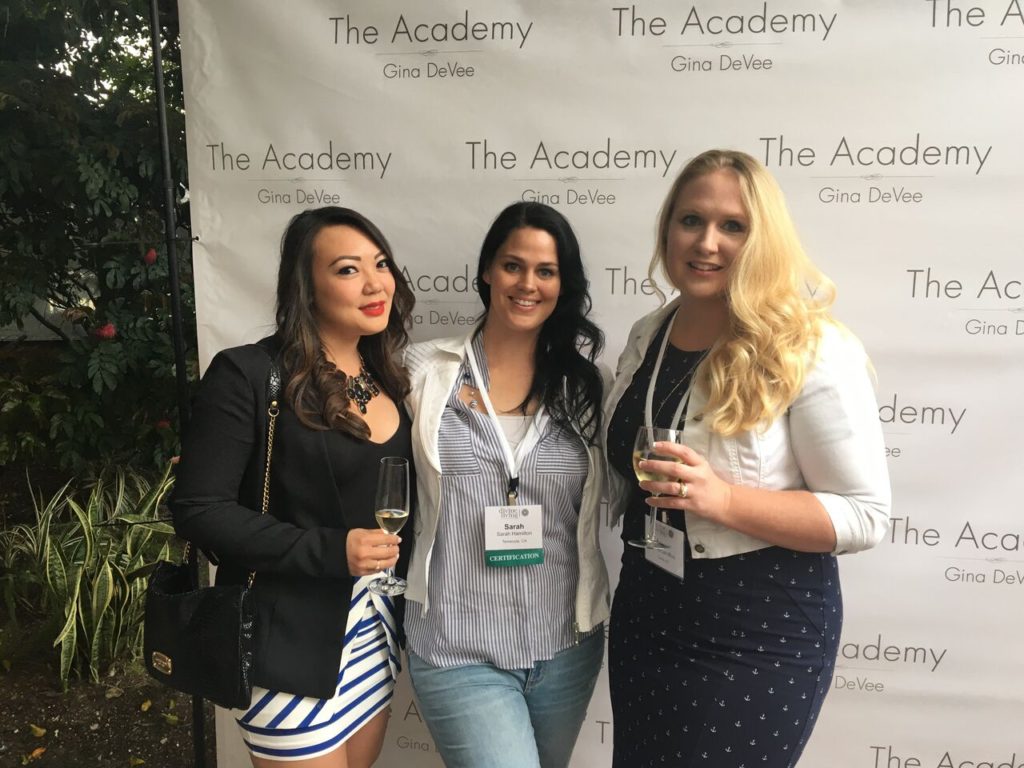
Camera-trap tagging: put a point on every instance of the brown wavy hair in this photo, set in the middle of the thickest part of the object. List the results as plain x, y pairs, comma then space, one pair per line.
314, 387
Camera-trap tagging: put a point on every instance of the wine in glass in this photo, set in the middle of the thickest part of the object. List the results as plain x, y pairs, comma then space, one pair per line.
391, 510
643, 448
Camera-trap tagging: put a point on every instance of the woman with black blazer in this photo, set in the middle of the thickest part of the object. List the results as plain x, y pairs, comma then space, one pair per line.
326, 652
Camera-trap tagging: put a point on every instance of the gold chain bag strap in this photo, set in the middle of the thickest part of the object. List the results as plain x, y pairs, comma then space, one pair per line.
199, 640
273, 409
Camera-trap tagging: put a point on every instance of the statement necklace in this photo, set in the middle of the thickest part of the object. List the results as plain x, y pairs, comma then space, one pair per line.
361, 388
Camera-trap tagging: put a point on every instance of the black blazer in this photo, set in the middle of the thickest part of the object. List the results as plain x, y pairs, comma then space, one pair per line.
302, 587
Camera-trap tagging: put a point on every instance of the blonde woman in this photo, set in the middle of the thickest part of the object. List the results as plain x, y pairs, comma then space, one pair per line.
723, 643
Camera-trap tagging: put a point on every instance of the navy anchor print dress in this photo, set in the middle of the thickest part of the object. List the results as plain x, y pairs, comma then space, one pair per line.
729, 667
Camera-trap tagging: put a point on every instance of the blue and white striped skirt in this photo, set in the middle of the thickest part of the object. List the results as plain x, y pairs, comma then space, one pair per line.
283, 726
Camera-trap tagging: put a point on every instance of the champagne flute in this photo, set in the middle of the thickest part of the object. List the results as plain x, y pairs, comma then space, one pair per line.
391, 507
643, 448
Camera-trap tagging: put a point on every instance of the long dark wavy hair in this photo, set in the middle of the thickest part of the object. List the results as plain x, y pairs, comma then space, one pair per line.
569, 342
315, 388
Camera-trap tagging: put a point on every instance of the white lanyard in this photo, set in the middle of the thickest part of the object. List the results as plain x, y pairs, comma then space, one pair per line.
512, 461
684, 400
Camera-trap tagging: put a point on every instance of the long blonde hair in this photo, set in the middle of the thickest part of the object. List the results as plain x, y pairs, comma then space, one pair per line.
757, 368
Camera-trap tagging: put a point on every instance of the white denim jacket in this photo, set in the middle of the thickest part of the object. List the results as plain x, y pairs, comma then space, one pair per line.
433, 368
829, 441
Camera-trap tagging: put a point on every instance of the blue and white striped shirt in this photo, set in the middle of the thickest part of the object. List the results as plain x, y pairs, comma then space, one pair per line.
508, 617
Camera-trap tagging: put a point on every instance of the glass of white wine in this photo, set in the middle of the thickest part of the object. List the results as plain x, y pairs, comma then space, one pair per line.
643, 448
391, 507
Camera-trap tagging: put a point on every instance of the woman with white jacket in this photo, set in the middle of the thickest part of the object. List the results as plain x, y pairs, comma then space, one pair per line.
723, 641
507, 588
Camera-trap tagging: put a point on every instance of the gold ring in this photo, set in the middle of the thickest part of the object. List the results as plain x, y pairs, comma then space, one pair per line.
684, 489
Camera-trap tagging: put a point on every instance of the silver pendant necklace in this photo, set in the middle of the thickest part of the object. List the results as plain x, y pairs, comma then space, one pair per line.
687, 378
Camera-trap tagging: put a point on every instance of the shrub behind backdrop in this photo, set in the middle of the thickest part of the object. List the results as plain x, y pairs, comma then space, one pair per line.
81, 236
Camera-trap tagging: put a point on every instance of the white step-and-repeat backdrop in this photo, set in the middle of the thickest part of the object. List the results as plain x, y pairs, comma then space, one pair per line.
895, 128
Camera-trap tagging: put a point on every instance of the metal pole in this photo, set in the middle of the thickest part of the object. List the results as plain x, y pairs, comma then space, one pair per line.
177, 332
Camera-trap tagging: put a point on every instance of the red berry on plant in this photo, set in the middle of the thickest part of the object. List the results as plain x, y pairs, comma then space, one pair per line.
107, 331
150, 257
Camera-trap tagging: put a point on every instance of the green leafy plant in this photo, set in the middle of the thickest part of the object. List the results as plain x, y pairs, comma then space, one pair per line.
98, 401
82, 235
82, 566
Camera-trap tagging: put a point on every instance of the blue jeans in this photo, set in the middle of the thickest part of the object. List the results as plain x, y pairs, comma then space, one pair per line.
480, 715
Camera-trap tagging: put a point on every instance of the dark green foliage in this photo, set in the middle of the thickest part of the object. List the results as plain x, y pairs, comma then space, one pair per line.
81, 229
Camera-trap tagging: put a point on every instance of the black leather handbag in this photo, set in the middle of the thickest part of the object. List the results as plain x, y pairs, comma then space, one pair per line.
199, 640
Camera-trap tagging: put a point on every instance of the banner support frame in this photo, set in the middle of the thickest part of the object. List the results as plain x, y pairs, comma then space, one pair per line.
177, 332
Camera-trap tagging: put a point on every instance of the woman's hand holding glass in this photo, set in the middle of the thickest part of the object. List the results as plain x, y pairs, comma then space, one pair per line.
370, 550
644, 449
392, 511
683, 479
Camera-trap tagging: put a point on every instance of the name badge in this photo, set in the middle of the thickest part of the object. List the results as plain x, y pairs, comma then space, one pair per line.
513, 535
672, 555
